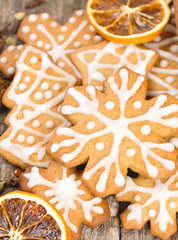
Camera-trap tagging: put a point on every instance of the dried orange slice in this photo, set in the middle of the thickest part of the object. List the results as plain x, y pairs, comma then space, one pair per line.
128, 21
25, 216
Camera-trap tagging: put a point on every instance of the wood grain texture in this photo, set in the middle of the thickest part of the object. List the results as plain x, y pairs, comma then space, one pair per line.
61, 10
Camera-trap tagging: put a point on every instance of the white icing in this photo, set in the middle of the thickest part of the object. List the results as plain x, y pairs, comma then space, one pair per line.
145, 129
11, 70
119, 128
56, 87
109, 105
11, 48
92, 29
3, 60
157, 39
45, 86
30, 139
36, 123
79, 12
16, 56
169, 79
33, 60
33, 36
99, 146
49, 124
77, 44
32, 18
86, 36
174, 141
21, 138
174, 48
98, 38
164, 63
22, 86
60, 38
137, 198
137, 104
20, 47
72, 20
63, 28
25, 99
48, 94
61, 64
64, 194
47, 46
40, 43
45, 16
53, 24
130, 152
91, 125
159, 194
26, 29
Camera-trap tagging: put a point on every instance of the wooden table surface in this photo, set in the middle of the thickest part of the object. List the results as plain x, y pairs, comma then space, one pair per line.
61, 10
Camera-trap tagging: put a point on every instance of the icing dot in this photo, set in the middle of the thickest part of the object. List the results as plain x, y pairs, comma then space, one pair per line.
56, 86
33, 36
145, 129
3, 59
76, 44
47, 46
11, 70
30, 139
86, 36
49, 124
63, 28
90, 125
53, 24
60, 38
33, 60
137, 104
130, 152
157, 39
11, 48
20, 138
79, 12
137, 198
22, 86
26, 29
45, 86
98, 38
20, 47
72, 20
48, 94
40, 43
169, 79
36, 123
45, 16
38, 96
54, 147
109, 105
99, 146
164, 63
92, 29
152, 213
174, 48
27, 79
173, 205
177, 184
32, 18
61, 64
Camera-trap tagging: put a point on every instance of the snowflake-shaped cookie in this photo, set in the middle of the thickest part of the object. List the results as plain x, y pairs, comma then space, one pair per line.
98, 62
116, 130
64, 189
156, 202
163, 77
42, 31
35, 95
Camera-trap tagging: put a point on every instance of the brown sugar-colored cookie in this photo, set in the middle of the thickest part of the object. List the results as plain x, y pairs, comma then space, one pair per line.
35, 96
42, 31
156, 202
117, 130
63, 188
98, 62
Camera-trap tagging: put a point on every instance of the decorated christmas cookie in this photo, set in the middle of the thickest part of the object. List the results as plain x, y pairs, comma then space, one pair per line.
44, 32
64, 189
8, 60
98, 62
156, 202
34, 96
163, 77
116, 130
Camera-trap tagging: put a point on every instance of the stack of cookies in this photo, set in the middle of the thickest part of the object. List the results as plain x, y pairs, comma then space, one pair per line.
83, 111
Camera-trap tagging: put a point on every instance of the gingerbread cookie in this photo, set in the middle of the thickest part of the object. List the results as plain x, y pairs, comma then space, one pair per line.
116, 130
98, 62
63, 188
8, 60
44, 32
163, 77
156, 202
35, 96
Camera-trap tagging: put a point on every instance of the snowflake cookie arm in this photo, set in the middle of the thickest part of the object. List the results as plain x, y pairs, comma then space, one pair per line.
64, 189
156, 202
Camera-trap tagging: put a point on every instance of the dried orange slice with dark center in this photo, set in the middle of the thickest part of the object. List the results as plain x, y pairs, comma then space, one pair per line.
25, 216
128, 21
